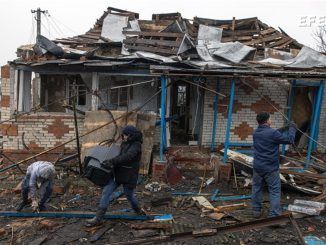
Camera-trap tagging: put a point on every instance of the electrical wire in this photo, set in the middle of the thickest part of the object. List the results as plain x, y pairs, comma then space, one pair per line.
87, 133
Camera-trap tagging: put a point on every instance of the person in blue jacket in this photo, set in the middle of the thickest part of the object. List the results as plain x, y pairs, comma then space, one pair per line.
266, 163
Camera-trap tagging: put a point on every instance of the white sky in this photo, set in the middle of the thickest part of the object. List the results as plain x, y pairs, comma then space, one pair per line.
77, 16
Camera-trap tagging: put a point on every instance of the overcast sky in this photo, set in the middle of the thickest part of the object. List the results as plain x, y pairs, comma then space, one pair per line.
71, 17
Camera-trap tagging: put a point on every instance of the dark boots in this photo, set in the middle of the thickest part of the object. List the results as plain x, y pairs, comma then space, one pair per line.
21, 205
97, 219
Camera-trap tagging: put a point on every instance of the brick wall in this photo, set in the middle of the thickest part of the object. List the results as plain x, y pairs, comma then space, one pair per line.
247, 104
40, 131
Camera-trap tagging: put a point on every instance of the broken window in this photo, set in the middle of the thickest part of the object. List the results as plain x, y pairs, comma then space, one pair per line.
182, 96
77, 91
119, 96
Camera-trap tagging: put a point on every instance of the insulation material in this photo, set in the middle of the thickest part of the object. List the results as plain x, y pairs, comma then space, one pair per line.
113, 26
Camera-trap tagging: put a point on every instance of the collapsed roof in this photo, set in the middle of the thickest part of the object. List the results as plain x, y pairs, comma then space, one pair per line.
171, 41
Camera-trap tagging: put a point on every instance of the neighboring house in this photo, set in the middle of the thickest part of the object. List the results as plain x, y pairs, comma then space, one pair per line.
241, 59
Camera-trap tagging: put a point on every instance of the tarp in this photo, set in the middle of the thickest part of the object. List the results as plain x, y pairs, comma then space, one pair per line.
44, 45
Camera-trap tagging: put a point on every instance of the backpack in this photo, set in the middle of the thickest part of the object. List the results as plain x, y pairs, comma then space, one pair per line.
94, 171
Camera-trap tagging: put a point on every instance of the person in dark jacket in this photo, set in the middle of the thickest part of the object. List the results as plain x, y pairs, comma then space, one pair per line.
126, 168
266, 163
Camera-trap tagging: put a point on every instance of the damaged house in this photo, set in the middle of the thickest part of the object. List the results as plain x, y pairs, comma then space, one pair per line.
194, 88
196, 82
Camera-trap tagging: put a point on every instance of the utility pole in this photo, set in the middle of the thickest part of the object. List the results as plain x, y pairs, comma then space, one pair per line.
38, 19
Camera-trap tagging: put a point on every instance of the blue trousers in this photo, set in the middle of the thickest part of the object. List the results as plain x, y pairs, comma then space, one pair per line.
273, 182
110, 188
46, 190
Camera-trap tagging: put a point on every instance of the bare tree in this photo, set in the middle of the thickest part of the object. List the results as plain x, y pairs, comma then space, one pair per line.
320, 37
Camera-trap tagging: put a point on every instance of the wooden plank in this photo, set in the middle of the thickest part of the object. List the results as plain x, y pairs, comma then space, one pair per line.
153, 34
265, 39
285, 40
152, 42
203, 202
268, 31
152, 49
237, 38
304, 174
146, 124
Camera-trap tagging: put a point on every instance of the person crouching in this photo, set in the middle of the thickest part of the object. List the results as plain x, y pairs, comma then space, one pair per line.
38, 182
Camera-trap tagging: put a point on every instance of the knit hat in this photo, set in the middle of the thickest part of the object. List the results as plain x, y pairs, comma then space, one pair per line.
130, 130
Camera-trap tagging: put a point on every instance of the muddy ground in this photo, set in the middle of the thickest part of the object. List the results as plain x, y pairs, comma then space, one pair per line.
186, 213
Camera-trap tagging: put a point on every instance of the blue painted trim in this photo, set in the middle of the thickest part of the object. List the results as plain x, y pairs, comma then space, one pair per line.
213, 144
214, 196
290, 104
316, 117
240, 144
228, 126
232, 198
300, 83
163, 128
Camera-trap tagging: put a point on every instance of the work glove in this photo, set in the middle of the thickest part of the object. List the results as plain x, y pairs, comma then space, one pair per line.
108, 164
35, 205
292, 124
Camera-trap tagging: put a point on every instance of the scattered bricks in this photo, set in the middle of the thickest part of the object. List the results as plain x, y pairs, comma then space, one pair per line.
58, 190
48, 224
5, 101
5, 71
158, 170
9, 129
2, 232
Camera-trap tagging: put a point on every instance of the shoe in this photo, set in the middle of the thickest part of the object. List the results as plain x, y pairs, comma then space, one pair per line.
98, 219
140, 211
21, 206
42, 208
256, 214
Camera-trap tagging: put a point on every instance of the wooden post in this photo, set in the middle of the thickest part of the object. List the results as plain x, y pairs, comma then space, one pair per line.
95, 87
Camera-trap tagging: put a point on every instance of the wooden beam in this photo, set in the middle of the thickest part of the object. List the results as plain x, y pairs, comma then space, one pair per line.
153, 34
